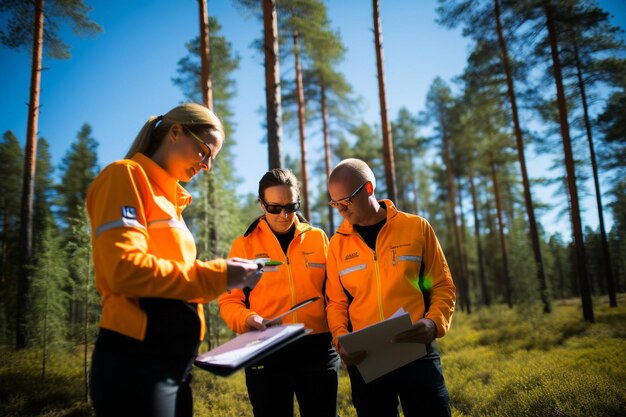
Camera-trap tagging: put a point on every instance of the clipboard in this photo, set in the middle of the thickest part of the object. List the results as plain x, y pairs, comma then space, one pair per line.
276, 320
248, 348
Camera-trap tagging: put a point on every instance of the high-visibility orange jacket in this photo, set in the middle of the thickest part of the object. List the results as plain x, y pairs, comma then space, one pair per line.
366, 286
142, 247
301, 276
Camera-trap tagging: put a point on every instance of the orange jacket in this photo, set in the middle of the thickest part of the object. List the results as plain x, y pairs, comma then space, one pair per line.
365, 286
142, 247
301, 276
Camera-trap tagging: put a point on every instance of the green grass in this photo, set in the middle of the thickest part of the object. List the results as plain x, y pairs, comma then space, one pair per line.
520, 362
497, 362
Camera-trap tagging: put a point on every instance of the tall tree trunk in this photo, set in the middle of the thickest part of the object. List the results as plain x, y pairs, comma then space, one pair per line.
390, 169
28, 185
608, 269
207, 99
530, 211
492, 245
503, 246
457, 230
580, 261
272, 84
326, 148
459, 193
479, 247
205, 56
86, 327
300, 97
413, 185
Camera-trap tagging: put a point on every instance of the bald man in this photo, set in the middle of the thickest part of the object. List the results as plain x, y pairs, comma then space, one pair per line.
381, 259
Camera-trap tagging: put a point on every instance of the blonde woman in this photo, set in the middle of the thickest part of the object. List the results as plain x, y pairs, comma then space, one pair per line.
151, 283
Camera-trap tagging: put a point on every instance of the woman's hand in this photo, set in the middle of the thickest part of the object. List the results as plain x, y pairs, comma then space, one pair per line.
255, 322
242, 273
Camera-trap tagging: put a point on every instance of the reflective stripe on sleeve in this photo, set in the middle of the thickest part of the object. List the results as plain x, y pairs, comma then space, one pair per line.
167, 224
123, 222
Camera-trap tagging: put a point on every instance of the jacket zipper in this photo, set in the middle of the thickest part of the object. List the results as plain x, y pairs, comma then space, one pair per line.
378, 285
291, 288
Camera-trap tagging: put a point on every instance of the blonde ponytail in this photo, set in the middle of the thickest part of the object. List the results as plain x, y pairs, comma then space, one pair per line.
190, 115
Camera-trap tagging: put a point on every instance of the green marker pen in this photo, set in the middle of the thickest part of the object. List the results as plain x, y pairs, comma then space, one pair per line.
273, 263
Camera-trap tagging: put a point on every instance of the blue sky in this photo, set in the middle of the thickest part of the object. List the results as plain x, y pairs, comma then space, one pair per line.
115, 80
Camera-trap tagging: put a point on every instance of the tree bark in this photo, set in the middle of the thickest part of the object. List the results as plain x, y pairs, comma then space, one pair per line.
28, 185
530, 211
207, 99
606, 254
272, 84
326, 148
580, 261
390, 169
205, 56
300, 98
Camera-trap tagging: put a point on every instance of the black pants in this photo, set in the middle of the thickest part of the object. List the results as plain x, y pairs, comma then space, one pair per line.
419, 385
126, 381
308, 368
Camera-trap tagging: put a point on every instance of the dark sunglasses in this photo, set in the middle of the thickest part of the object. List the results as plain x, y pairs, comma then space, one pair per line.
276, 208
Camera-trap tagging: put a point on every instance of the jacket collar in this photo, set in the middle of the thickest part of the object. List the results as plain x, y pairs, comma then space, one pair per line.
345, 228
172, 190
261, 224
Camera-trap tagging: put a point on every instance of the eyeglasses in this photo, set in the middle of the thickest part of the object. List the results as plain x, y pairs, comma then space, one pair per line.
345, 202
276, 208
204, 156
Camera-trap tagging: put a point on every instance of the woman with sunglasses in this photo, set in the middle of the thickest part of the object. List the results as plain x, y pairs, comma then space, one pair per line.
308, 367
151, 283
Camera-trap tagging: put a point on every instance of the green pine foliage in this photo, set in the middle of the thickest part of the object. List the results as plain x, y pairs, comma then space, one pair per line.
48, 315
79, 168
18, 31
11, 161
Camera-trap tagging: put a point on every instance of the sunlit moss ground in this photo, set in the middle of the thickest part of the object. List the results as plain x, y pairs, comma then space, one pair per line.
496, 361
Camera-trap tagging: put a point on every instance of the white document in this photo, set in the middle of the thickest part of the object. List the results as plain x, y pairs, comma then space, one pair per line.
383, 356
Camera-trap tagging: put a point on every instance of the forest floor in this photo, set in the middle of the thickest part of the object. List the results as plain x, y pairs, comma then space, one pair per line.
497, 362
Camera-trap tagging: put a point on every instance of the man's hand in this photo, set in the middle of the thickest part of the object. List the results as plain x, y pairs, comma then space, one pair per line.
423, 331
353, 358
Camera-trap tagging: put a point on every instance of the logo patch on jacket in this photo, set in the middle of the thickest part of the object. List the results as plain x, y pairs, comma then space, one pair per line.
129, 212
262, 255
351, 256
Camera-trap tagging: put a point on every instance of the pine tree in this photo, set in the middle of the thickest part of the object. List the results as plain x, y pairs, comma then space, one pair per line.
214, 191
25, 28
439, 103
11, 159
390, 170
483, 21
79, 168
48, 316
84, 293
409, 150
